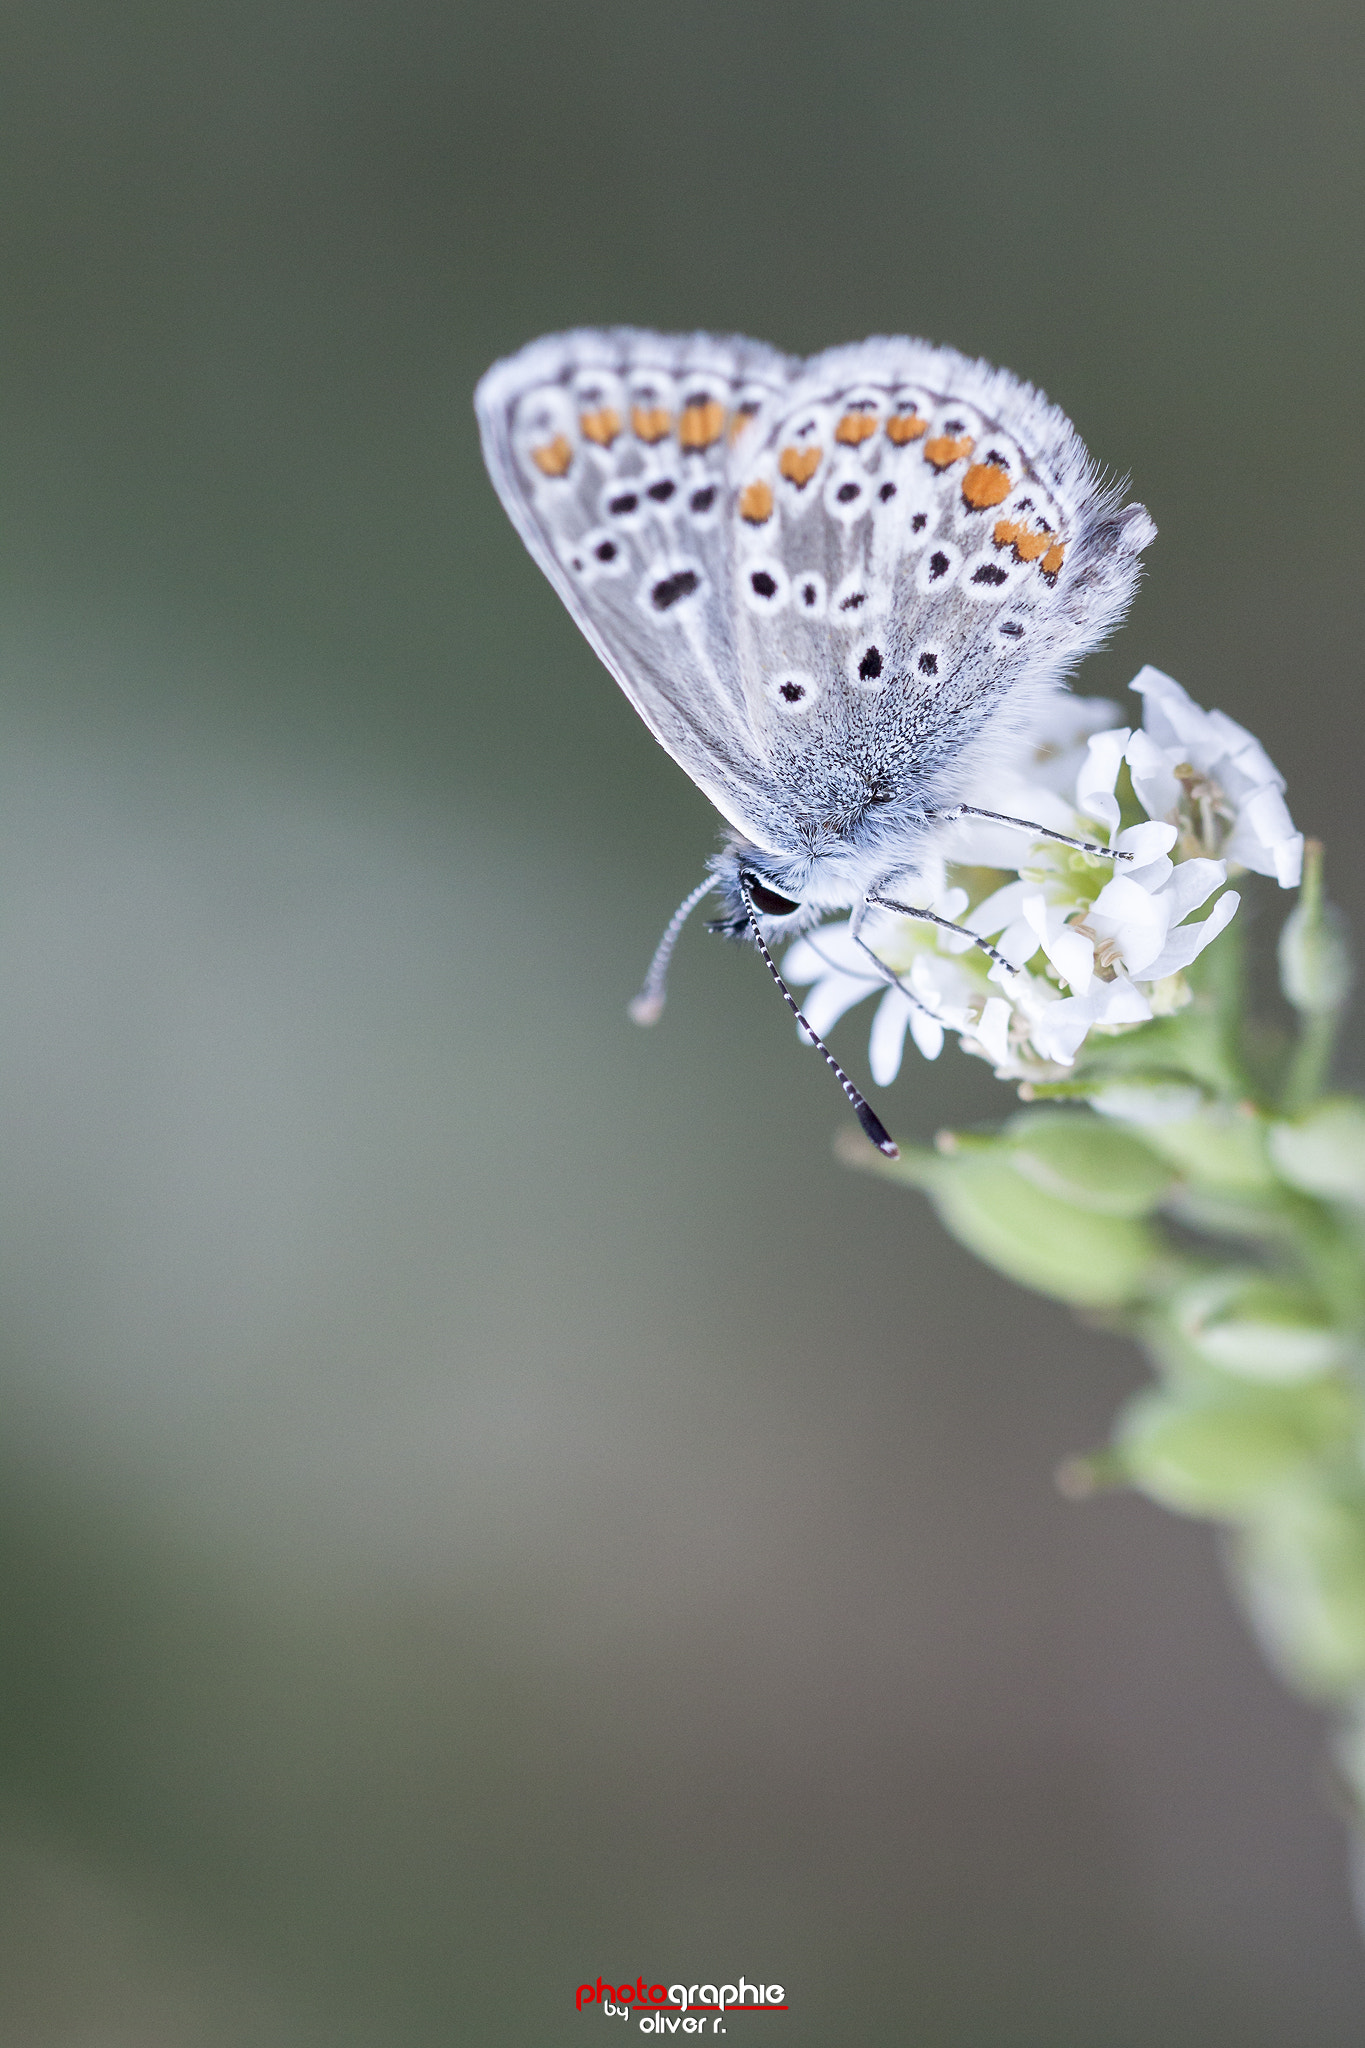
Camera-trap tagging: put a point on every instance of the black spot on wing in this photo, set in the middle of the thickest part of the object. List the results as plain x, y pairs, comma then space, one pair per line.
669, 589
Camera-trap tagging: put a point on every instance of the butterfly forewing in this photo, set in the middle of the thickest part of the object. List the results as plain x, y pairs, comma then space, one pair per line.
610, 452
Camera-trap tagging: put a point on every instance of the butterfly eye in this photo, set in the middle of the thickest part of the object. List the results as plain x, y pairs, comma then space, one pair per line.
767, 900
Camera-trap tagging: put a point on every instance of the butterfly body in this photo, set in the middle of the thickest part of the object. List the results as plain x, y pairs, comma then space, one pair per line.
833, 588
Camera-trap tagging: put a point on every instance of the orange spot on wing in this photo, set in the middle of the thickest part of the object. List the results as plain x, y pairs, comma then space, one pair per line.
905, 426
756, 503
651, 422
1029, 546
984, 485
701, 425
943, 450
601, 426
552, 458
798, 465
855, 427
741, 420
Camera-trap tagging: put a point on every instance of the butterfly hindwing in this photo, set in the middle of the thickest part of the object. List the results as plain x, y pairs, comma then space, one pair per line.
918, 537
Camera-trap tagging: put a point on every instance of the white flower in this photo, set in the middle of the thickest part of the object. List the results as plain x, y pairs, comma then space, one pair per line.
1089, 947
1244, 788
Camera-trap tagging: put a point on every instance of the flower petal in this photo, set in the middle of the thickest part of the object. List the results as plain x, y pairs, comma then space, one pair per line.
1188, 943
887, 1042
1169, 713
927, 1033
992, 1031
1147, 842
1289, 862
1099, 772
1153, 780
1193, 882
831, 996
1073, 956
999, 910
1264, 838
831, 949
1135, 922
1060, 1029
1070, 951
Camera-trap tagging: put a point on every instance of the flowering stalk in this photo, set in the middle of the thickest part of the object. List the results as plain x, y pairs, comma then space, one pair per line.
1180, 1172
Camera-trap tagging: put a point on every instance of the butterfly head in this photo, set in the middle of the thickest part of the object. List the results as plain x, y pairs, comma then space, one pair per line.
774, 886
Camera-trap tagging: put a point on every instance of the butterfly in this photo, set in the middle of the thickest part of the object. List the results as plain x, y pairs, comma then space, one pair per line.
834, 589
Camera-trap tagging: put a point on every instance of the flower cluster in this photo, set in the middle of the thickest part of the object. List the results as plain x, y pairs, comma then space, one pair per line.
1088, 944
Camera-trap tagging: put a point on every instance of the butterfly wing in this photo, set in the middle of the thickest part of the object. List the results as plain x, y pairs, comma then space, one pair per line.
922, 545
827, 587
609, 450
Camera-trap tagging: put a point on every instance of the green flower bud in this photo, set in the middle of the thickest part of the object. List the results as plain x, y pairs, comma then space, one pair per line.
1258, 1327
1146, 1099
1323, 1152
1219, 1450
1301, 1563
1221, 1147
1314, 952
1080, 1159
1050, 1245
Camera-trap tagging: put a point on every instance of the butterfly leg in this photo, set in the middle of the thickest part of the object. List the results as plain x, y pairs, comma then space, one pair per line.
1027, 825
875, 899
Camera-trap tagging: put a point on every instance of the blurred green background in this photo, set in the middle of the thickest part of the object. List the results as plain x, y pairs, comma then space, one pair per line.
486, 1499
